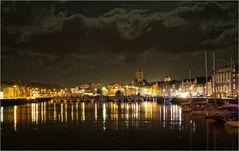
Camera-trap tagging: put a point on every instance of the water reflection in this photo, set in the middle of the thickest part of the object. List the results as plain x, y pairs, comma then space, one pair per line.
15, 118
1, 114
104, 116
96, 111
83, 111
65, 110
54, 113
128, 114
62, 112
108, 116
72, 113
33, 113
36, 113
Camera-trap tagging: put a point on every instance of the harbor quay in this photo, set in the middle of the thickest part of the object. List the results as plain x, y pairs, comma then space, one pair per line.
159, 99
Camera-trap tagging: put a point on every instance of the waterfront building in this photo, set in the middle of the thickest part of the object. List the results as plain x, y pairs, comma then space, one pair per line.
131, 90
112, 88
195, 87
155, 89
226, 81
13, 89
168, 88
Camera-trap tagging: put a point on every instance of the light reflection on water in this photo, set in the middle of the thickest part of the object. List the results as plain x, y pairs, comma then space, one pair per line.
128, 114
83, 111
1, 114
15, 118
108, 116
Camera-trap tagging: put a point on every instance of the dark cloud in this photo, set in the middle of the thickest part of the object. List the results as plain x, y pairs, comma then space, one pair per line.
79, 37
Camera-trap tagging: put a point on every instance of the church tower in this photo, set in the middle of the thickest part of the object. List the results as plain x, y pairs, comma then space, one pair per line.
139, 75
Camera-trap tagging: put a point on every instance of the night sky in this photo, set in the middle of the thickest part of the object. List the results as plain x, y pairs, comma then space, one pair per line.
92, 41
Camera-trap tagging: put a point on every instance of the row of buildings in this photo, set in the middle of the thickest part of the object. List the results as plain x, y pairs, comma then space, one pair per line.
222, 84
18, 89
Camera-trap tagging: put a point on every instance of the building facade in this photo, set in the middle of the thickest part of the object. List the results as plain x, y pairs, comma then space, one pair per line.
226, 81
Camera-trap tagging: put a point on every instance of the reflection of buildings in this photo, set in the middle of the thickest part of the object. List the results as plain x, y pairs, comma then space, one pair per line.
226, 81
108, 115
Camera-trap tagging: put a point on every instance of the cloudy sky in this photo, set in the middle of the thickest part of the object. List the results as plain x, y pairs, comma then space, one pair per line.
94, 41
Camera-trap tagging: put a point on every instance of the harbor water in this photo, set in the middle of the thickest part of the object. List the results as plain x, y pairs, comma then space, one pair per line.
110, 125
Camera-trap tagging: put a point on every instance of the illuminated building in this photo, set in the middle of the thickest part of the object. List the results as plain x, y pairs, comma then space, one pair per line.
167, 79
112, 88
22, 90
168, 88
77, 92
197, 87
226, 81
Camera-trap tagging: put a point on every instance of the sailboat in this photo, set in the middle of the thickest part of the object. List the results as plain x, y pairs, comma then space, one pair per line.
187, 106
199, 108
215, 113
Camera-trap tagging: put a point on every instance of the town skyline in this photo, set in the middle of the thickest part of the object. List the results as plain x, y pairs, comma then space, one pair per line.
70, 82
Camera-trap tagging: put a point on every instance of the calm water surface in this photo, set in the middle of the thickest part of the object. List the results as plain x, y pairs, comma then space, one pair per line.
98, 125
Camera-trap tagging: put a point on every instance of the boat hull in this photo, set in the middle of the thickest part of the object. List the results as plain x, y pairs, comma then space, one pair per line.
232, 123
199, 112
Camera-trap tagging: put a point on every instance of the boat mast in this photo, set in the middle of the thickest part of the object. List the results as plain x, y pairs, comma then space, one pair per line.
206, 76
190, 95
214, 78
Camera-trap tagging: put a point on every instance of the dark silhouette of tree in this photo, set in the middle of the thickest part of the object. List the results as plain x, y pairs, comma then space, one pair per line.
99, 92
118, 93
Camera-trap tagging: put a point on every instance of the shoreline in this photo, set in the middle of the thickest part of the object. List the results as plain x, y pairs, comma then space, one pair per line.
20, 101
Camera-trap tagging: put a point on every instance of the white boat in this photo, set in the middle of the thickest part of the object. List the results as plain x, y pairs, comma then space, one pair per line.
232, 123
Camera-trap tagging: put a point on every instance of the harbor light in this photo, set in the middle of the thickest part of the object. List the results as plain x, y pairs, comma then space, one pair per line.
104, 88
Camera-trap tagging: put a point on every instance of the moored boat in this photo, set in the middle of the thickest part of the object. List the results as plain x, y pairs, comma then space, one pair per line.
186, 107
199, 108
233, 121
